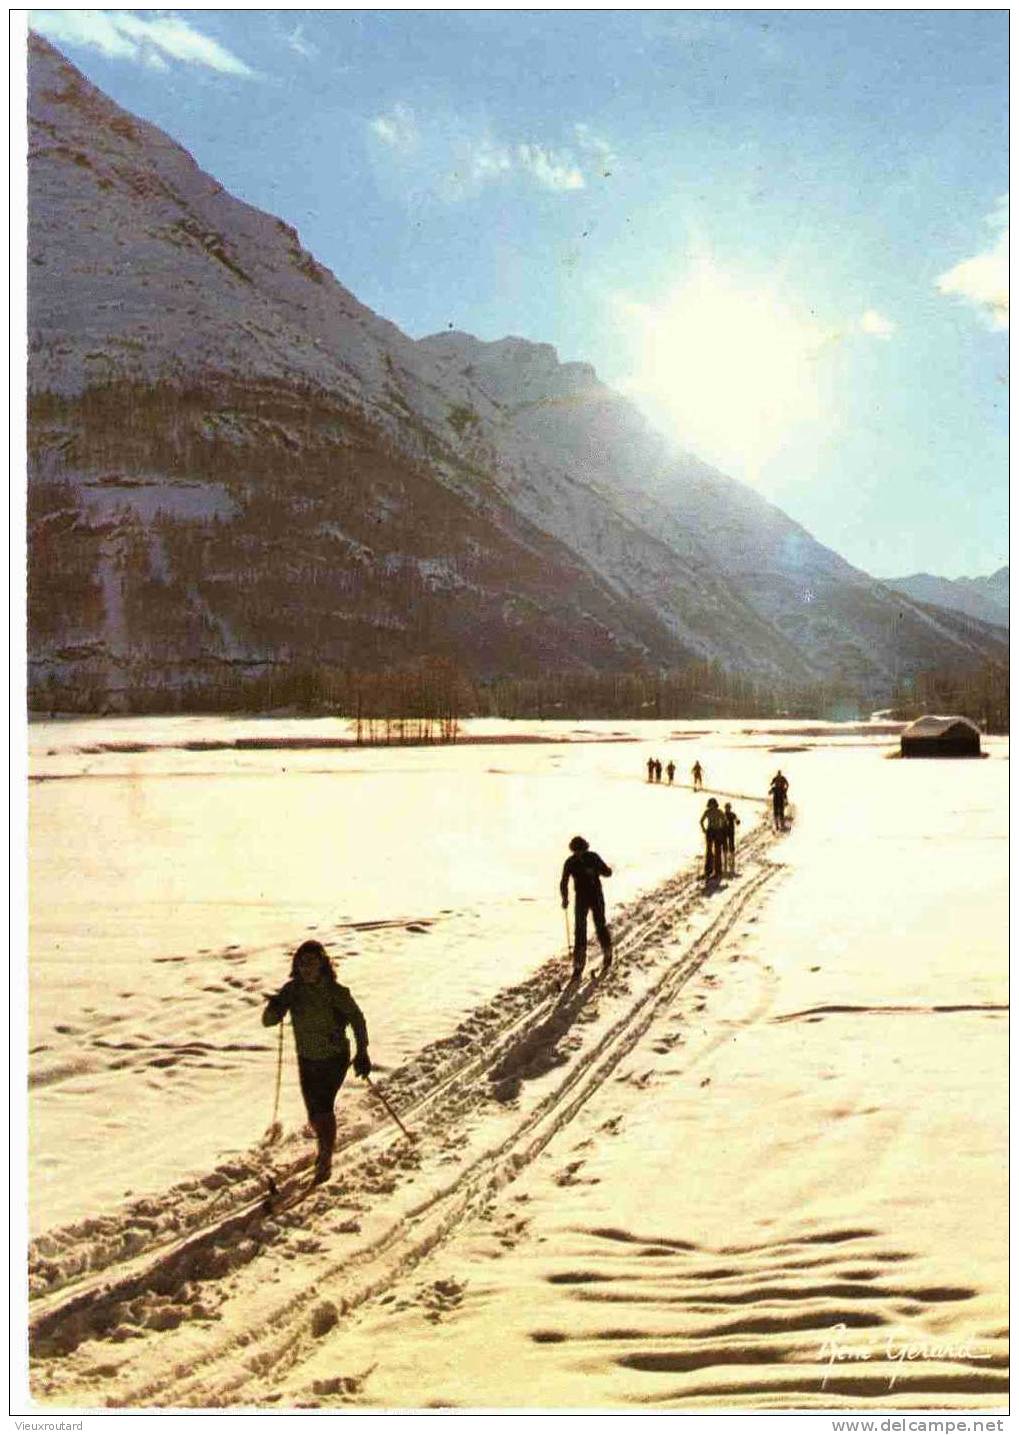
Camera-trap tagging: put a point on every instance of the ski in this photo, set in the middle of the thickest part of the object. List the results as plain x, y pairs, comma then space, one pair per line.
279, 1199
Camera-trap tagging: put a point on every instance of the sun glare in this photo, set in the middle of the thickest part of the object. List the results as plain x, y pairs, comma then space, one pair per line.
730, 370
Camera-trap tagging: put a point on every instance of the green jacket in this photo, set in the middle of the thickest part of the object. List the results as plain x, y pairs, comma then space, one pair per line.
320, 1012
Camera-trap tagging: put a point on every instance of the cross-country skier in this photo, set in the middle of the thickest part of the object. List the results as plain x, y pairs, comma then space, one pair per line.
779, 790
587, 869
321, 1011
697, 773
713, 827
670, 772
731, 823
650, 769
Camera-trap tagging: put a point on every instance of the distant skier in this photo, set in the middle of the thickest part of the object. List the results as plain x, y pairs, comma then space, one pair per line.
587, 869
670, 772
779, 790
713, 827
650, 769
320, 1010
658, 770
731, 823
697, 775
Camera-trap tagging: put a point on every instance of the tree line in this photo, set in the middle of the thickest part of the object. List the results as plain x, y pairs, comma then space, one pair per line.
426, 700
980, 694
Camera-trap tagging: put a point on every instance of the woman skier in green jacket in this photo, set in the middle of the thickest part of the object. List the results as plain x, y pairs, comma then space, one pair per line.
321, 1010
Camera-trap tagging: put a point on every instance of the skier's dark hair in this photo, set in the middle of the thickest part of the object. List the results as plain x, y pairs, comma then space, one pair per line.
578, 844
312, 948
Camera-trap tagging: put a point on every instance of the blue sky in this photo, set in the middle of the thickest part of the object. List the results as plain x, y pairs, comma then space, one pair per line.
783, 233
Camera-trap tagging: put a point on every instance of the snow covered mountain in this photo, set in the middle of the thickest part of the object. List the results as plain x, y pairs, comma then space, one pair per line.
236, 466
983, 598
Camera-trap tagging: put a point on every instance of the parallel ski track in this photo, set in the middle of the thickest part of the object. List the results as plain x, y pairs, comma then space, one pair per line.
126, 1279
282, 1342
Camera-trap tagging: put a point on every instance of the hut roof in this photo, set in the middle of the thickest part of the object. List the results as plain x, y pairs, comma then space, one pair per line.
931, 726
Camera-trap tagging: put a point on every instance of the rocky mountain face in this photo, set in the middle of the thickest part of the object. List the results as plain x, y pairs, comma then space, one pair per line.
236, 466
983, 598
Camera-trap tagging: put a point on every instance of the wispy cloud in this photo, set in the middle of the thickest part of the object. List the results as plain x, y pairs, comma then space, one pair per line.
151, 38
551, 170
603, 153
300, 46
398, 129
982, 280
459, 160
878, 325
487, 160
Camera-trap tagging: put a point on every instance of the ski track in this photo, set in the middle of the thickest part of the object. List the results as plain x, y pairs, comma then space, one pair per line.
157, 1270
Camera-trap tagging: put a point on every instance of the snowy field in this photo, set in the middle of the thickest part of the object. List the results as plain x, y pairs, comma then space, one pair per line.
782, 1114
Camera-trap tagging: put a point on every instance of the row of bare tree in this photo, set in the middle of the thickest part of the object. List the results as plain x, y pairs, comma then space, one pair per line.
980, 694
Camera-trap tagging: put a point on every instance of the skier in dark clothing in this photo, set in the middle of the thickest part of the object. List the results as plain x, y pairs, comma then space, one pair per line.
658, 770
779, 790
731, 823
587, 869
697, 774
650, 769
670, 772
320, 1011
713, 827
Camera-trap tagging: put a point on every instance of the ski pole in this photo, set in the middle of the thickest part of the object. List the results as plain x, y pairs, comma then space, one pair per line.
275, 1130
375, 1090
566, 919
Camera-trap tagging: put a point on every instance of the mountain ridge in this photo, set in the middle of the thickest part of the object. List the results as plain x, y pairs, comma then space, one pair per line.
984, 597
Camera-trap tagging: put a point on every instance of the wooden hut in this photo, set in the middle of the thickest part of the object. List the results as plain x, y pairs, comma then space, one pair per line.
941, 737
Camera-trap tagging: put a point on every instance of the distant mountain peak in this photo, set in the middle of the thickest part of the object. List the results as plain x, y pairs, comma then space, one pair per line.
514, 370
985, 598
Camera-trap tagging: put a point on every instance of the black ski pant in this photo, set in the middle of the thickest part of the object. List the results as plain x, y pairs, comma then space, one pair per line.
595, 904
713, 854
321, 1080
